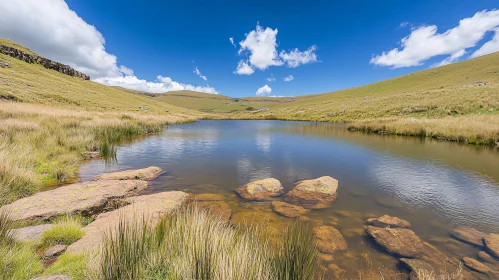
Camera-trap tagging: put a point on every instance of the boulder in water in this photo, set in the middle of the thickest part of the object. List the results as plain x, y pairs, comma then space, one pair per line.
261, 190
314, 194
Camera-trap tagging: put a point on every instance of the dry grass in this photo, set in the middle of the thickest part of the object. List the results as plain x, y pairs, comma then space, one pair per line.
43, 145
431, 275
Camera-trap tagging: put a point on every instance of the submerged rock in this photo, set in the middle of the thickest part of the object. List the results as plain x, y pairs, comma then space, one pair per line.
398, 241
208, 197
147, 207
145, 174
30, 234
90, 197
468, 235
261, 190
314, 194
329, 240
417, 267
288, 210
476, 265
491, 242
53, 252
484, 256
216, 208
388, 221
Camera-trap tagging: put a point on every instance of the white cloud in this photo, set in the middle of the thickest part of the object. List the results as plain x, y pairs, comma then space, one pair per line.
243, 68
296, 58
53, 30
232, 41
289, 78
453, 58
265, 90
489, 47
424, 42
271, 78
125, 70
197, 72
261, 44
161, 85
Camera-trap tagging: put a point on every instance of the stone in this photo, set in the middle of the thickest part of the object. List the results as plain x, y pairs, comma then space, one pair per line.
53, 252
30, 234
288, 210
337, 271
268, 224
54, 277
261, 190
491, 242
417, 267
329, 240
145, 174
398, 241
352, 232
151, 207
484, 256
216, 208
476, 265
388, 221
314, 194
4, 64
89, 198
89, 155
468, 235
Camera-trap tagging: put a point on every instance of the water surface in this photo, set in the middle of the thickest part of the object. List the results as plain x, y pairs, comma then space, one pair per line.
433, 185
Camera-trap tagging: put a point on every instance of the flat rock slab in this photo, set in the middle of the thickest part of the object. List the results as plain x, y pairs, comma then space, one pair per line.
398, 241
388, 221
261, 189
484, 256
476, 265
152, 207
87, 197
417, 267
145, 174
491, 242
54, 277
288, 210
329, 240
468, 235
53, 252
314, 194
30, 234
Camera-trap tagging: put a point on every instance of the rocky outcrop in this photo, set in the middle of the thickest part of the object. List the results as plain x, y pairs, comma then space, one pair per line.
45, 62
30, 234
288, 210
88, 198
329, 240
314, 194
54, 252
150, 207
145, 174
491, 242
468, 235
388, 221
261, 190
398, 241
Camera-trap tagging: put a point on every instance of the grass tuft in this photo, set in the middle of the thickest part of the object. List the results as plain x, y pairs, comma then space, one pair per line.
67, 229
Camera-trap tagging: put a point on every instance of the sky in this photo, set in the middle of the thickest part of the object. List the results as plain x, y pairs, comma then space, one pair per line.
251, 48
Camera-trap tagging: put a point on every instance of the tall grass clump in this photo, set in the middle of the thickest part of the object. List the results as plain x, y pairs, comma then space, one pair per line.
431, 275
17, 261
67, 229
192, 244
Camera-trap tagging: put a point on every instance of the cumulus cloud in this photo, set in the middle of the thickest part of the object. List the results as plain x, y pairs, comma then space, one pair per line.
261, 45
232, 41
52, 29
263, 91
453, 58
424, 42
489, 47
271, 78
243, 68
197, 72
296, 58
289, 78
162, 84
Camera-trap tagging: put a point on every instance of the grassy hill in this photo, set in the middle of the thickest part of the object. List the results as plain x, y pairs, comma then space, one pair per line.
214, 103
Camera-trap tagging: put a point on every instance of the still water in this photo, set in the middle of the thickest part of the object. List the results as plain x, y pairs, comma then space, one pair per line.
434, 185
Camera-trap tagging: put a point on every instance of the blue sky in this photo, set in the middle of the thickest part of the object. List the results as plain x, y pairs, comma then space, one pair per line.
165, 41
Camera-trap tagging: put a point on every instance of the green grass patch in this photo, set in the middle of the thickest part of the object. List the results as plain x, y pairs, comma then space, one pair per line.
67, 229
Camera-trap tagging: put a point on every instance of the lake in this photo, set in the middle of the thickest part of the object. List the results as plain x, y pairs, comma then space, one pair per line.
434, 185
